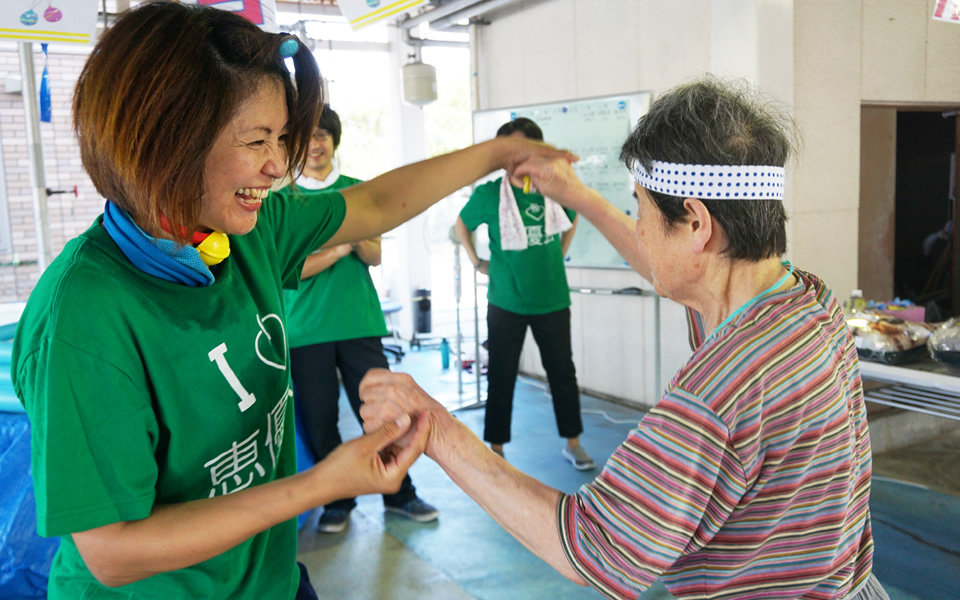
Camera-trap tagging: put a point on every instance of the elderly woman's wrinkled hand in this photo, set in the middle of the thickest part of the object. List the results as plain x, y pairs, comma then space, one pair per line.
555, 178
520, 150
376, 463
389, 396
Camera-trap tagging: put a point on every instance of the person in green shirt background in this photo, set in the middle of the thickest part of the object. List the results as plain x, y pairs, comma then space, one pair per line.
529, 237
334, 322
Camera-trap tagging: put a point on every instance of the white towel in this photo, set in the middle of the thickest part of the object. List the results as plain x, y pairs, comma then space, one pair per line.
513, 234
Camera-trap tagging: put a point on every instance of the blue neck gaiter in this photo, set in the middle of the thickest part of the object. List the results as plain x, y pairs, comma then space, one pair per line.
155, 256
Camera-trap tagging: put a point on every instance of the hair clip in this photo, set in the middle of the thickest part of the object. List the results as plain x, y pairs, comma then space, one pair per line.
289, 46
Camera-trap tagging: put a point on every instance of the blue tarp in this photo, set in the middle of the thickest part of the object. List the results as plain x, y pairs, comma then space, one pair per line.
25, 557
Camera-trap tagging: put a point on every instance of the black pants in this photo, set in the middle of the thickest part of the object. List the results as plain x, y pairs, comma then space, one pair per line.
506, 331
305, 591
317, 396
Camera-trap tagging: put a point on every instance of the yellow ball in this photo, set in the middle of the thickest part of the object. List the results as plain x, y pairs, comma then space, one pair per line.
214, 249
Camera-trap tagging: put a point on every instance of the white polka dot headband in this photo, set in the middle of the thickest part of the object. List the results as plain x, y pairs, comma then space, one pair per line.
711, 182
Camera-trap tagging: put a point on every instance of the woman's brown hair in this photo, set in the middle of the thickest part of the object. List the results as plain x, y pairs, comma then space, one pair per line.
158, 89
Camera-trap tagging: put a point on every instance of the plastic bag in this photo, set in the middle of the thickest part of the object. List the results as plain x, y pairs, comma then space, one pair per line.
944, 343
887, 339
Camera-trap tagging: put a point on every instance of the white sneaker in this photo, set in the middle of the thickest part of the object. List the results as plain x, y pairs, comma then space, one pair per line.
579, 458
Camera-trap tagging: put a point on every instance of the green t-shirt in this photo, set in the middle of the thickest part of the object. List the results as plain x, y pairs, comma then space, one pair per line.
338, 303
143, 392
526, 282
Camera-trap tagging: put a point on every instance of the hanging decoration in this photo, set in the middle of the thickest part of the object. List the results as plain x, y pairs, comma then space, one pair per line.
52, 14
44, 88
71, 21
262, 13
947, 10
29, 16
360, 13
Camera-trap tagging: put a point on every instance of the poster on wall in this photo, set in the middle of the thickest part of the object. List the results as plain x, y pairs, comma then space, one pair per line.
360, 13
262, 13
947, 10
71, 21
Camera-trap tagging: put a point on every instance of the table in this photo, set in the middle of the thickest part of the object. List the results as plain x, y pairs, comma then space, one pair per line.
923, 386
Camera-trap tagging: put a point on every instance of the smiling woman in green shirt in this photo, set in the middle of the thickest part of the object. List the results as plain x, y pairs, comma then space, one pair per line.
151, 357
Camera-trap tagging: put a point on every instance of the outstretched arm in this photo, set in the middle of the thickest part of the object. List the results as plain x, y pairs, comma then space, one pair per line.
523, 506
380, 204
558, 181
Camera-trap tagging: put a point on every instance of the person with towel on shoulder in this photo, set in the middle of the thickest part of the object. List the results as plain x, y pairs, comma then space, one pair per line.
529, 237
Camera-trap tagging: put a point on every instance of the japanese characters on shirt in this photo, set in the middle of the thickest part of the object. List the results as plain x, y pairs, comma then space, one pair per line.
245, 460
535, 235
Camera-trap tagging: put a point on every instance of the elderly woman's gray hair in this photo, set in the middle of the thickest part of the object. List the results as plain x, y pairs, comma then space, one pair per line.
712, 122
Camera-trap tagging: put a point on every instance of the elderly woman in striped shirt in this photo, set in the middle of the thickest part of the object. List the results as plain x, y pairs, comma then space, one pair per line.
750, 478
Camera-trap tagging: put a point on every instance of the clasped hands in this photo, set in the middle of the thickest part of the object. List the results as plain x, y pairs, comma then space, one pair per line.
394, 397
399, 422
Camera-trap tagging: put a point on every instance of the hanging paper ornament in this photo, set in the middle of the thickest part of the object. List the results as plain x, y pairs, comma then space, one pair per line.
52, 14
29, 18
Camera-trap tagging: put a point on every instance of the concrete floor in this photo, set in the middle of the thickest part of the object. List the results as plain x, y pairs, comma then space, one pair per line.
465, 554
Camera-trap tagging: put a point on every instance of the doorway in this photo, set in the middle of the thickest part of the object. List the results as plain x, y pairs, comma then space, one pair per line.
908, 198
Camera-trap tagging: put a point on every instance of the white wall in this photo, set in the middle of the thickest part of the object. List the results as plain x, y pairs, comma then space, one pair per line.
539, 51
823, 58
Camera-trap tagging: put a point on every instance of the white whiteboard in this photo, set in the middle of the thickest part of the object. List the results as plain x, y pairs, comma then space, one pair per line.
594, 129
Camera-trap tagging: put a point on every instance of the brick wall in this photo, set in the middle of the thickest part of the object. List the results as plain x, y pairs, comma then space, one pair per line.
68, 216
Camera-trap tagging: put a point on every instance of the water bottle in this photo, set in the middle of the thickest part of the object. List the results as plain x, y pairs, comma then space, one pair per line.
445, 353
856, 303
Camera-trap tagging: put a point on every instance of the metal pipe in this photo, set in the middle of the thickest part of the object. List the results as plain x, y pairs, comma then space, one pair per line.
474, 71
468, 13
38, 184
409, 40
476, 337
458, 283
955, 275
437, 13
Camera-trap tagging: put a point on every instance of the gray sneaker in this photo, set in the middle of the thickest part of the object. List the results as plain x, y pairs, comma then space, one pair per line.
579, 458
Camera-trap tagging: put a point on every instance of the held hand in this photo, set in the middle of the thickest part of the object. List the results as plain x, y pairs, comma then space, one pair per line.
389, 396
374, 463
518, 150
556, 179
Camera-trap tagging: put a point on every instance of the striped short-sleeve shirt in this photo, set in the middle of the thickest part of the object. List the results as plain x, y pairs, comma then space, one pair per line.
750, 478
